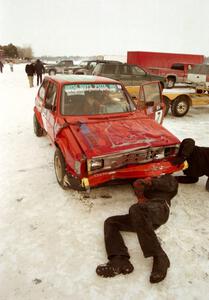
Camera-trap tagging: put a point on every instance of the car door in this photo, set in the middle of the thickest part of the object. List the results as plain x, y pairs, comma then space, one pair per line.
49, 110
150, 100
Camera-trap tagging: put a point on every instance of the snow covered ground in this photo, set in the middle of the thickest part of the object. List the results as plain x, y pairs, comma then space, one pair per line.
52, 240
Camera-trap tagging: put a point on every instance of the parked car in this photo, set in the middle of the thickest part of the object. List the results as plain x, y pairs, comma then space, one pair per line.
98, 132
87, 66
199, 75
129, 75
61, 67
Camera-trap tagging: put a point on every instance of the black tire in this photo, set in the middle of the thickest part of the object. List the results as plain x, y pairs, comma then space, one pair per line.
52, 72
65, 180
38, 130
166, 101
180, 106
60, 169
170, 82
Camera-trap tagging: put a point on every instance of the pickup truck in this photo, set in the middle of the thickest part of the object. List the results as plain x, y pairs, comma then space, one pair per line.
177, 73
64, 66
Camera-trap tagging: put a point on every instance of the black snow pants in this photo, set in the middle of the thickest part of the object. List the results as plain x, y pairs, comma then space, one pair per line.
39, 78
143, 219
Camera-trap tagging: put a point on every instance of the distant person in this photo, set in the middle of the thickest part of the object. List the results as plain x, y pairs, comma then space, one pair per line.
11, 66
1, 66
30, 70
151, 211
39, 69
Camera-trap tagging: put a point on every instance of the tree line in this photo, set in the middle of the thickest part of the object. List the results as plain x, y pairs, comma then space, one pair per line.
12, 51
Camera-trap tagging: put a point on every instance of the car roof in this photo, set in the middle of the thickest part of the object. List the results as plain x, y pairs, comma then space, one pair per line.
62, 78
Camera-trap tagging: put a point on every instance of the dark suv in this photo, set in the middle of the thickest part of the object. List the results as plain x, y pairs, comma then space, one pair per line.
86, 67
129, 75
64, 66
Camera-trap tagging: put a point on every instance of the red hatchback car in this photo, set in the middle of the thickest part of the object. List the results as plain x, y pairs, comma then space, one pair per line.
98, 132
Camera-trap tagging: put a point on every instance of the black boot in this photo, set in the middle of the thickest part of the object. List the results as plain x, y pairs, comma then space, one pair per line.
186, 179
116, 265
207, 185
159, 270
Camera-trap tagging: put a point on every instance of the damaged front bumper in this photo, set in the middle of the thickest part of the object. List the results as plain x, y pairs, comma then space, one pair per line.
152, 169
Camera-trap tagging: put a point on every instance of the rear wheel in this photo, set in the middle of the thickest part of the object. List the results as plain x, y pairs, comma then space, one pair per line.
38, 130
180, 106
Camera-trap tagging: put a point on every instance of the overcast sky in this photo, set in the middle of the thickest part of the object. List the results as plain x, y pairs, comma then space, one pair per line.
93, 27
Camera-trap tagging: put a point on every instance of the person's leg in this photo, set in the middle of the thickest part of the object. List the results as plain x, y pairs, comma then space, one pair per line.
187, 179
145, 218
117, 252
40, 78
30, 81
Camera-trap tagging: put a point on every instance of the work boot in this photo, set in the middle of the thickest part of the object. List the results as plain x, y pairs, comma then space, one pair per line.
117, 265
186, 179
159, 270
207, 185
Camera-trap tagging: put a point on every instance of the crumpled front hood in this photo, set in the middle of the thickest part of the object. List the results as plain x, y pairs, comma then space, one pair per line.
108, 136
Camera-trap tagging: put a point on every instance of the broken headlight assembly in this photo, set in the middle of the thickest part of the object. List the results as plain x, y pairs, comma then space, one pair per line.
95, 164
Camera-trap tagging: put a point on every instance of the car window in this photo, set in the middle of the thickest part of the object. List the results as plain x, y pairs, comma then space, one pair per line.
51, 94
204, 69
195, 69
124, 70
137, 71
94, 99
42, 90
152, 93
92, 65
109, 69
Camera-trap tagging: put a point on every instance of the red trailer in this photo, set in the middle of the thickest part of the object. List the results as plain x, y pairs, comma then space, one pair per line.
173, 66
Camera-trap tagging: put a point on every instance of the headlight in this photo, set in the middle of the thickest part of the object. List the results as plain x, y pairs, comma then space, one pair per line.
95, 164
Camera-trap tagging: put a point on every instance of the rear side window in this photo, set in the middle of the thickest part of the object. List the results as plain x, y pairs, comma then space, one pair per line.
51, 94
42, 90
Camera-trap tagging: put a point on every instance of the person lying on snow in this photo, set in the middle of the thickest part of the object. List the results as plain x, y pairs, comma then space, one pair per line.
151, 211
197, 159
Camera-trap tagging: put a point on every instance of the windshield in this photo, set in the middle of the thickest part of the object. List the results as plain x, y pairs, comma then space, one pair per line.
83, 64
94, 99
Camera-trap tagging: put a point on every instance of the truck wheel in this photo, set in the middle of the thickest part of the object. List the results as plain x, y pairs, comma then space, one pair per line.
38, 130
166, 101
52, 72
59, 167
171, 82
180, 106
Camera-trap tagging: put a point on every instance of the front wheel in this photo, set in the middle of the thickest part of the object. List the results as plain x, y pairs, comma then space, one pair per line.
59, 167
38, 130
180, 106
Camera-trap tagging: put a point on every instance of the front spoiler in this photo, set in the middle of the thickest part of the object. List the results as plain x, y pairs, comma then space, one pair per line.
152, 169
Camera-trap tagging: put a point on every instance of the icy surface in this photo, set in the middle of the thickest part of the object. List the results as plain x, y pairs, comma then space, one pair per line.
52, 240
